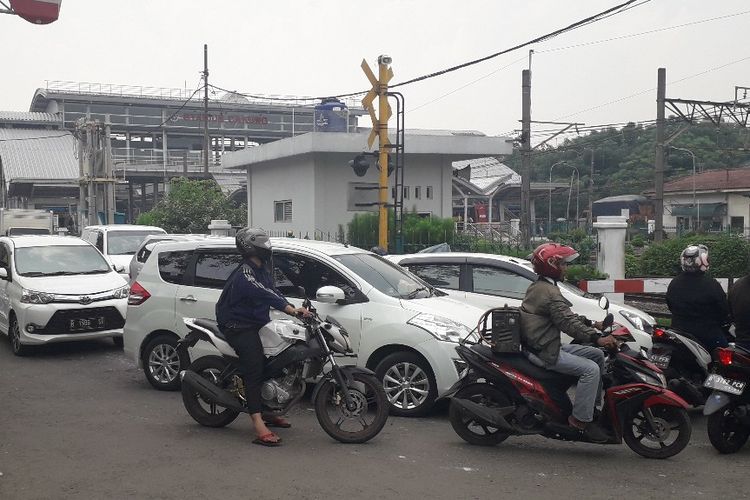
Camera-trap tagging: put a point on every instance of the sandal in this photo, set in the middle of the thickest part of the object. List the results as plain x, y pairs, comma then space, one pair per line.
279, 422
269, 439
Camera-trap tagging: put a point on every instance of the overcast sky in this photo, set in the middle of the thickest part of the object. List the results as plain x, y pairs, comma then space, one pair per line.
305, 47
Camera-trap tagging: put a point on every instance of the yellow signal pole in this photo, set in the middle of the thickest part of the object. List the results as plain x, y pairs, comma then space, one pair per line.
380, 129
385, 73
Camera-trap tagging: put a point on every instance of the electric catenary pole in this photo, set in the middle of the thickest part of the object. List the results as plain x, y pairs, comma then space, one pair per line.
380, 129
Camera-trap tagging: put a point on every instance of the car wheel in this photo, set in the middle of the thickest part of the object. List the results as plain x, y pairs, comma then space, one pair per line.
14, 335
119, 342
162, 363
408, 382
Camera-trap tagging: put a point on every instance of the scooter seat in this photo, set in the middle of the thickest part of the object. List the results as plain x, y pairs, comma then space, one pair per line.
521, 363
210, 325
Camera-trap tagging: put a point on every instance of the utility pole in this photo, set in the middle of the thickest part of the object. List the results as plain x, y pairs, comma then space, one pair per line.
659, 160
526, 155
591, 193
206, 140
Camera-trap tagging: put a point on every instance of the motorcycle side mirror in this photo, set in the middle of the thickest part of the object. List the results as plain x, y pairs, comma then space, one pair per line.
604, 302
608, 321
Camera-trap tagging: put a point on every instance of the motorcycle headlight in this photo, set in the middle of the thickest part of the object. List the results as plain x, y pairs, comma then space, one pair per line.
638, 321
32, 297
658, 378
121, 293
440, 327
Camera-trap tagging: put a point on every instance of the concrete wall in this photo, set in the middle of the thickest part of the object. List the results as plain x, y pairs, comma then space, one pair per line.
285, 179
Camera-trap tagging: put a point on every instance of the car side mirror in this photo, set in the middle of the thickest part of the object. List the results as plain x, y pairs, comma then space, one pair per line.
118, 268
330, 295
604, 302
3, 273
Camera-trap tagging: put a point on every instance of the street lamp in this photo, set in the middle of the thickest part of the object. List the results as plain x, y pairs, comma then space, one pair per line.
695, 204
578, 193
549, 208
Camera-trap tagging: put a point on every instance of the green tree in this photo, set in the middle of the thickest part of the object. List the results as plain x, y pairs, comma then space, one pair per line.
191, 205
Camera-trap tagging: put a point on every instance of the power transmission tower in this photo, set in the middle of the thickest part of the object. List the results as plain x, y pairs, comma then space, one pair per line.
96, 180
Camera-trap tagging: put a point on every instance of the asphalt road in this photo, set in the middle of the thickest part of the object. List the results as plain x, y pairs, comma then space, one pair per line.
79, 421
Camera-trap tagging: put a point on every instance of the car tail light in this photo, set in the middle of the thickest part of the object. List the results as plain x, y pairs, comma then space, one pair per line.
138, 295
659, 333
725, 356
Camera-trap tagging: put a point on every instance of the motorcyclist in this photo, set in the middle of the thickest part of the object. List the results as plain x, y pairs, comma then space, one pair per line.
544, 314
697, 302
241, 311
739, 307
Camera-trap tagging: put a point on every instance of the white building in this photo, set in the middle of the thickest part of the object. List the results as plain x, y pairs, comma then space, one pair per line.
304, 183
722, 201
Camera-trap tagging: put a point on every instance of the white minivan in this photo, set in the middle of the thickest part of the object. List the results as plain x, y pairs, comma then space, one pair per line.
400, 327
58, 289
119, 242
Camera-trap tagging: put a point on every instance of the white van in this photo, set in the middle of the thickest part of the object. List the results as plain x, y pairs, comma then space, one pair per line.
119, 242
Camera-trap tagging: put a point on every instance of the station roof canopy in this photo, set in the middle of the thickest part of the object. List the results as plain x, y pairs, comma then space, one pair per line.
38, 155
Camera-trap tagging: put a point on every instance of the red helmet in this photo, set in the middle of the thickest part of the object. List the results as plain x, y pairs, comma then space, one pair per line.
547, 257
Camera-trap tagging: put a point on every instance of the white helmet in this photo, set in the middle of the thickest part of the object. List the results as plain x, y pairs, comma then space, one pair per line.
694, 259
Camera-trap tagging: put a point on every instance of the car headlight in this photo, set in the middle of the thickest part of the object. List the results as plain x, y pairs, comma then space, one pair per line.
638, 321
121, 293
658, 379
32, 297
440, 327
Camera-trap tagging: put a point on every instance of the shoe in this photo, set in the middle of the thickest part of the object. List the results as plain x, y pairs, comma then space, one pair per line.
590, 430
269, 439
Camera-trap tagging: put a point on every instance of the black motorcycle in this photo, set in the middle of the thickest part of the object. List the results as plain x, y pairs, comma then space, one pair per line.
684, 362
349, 401
728, 406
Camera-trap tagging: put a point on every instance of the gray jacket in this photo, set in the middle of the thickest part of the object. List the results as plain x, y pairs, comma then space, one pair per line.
544, 314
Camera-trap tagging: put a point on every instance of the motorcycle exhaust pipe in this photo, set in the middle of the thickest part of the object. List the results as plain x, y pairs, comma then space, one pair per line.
209, 392
492, 416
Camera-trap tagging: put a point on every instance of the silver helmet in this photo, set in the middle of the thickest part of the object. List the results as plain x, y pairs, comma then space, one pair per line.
694, 259
252, 242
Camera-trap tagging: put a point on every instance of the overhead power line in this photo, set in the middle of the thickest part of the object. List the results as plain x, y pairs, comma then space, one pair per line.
578, 24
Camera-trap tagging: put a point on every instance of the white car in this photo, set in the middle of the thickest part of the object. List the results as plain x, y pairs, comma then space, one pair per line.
119, 242
400, 327
58, 289
489, 280
147, 245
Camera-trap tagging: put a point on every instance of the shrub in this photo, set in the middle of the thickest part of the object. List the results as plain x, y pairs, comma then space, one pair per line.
577, 239
729, 256
578, 272
638, 241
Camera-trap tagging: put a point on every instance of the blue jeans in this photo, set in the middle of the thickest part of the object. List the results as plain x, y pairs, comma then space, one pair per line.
586, 363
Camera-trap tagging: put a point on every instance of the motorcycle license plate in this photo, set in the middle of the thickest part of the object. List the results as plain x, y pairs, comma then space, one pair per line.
661, 360
86, 324
716, 381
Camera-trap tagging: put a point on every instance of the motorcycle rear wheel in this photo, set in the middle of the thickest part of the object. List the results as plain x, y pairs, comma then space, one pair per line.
467, 427
362, 423
725, 432
203, 412
671, 422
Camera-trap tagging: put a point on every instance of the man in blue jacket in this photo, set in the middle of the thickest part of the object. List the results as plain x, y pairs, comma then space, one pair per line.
242, 309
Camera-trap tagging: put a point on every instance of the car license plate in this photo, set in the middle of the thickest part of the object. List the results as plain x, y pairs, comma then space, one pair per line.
661, 360
86, 324
716, 381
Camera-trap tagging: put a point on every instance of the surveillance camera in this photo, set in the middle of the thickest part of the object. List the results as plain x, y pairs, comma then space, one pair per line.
385, 59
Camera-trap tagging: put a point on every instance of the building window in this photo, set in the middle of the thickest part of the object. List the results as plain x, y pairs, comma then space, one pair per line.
428, 192
406, 192
282, 211
418, 192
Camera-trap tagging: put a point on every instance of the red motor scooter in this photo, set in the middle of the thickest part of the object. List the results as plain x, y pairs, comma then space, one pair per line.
503, 394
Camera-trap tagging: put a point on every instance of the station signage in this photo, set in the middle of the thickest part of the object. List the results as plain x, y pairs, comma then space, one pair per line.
232, 119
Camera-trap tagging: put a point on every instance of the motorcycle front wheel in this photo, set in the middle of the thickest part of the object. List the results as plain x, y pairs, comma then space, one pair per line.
467, 427
725, 430
669, 435
204, 412
352, 425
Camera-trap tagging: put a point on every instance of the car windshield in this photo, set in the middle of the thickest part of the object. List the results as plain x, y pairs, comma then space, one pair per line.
60, 260
126, 242
385, 276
